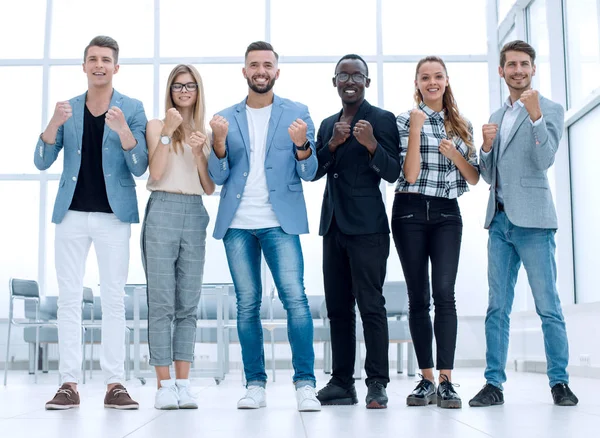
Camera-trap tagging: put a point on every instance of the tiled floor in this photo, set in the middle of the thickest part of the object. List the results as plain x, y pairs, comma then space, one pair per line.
528, 412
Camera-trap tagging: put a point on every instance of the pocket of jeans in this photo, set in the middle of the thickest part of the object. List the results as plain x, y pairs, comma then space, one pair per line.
450, 216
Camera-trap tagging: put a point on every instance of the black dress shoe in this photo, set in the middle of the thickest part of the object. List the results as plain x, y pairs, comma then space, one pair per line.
489, 395
563, 396
333, 394
376, 396
447, 397
423, 394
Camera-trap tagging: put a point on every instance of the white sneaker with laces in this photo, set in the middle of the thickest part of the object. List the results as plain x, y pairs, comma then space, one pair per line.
307, 399
186, 399
256, 397
166, 396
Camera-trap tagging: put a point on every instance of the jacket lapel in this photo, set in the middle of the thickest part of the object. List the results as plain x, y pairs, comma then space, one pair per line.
523, 114
242, 122
115, 100
78, 106
276, 112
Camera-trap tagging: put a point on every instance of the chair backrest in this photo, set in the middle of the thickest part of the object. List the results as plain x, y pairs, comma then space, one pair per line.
23, 288
396, 298
88, 296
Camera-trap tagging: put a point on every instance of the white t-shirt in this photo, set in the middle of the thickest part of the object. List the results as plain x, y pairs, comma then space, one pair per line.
255, 210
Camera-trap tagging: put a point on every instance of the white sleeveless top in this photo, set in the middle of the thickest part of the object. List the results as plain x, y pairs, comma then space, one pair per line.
180, 175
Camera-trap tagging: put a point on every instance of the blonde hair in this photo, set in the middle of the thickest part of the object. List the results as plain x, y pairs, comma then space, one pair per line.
455, 124
199, 106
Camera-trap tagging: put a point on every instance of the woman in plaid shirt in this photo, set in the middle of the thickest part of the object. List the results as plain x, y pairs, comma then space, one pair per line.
437, 160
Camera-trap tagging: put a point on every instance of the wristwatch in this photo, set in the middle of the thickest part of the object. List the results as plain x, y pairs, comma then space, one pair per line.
304, 147
165, 139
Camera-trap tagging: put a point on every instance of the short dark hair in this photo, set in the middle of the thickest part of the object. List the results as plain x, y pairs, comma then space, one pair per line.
516, 46
103, 41
352, 56
261, 45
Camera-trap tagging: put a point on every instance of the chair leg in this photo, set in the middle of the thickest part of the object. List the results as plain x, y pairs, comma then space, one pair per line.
37, 354
127, 353
357, 364
83, 330
327, 357
7, 346
400, 358
410, 359
31, 357
45, 366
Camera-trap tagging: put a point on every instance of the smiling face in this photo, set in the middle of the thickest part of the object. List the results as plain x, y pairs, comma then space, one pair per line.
351, 80
432, 81
184, 98
99, 66
261, 70
517, 71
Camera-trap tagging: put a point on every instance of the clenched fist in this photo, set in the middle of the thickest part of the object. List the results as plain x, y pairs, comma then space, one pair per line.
531, 101
62, 113
297, 131
490, 130
341, 133
417, 119
197, 141
448, 149
363, 132
115, 119
172, 121
219, 126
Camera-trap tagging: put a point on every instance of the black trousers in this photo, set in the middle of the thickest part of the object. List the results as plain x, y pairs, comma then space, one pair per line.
429, 228
354, 268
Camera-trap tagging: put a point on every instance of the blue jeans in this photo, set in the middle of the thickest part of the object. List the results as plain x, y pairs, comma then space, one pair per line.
283, 255
508, 246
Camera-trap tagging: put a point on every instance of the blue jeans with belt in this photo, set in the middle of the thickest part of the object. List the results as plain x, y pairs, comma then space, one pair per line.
508, 247
283, 255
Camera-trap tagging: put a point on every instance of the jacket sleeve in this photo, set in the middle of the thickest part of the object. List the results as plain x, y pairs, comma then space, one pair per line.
306, 169
46, 154
324, 155
546, 137
386, 159
137, 158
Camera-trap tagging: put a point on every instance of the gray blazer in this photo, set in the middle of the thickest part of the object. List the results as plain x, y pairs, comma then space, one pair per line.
524, 165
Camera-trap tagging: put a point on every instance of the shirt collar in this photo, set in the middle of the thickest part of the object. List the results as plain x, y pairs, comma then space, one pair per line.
510, 105
430, 112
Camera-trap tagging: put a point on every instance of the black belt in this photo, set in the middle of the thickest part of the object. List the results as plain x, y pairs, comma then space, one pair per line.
499, 206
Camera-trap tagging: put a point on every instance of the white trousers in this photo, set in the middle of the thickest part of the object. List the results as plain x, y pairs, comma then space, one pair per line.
73, 238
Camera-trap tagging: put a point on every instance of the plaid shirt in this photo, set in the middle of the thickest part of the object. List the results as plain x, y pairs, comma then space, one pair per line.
439, 176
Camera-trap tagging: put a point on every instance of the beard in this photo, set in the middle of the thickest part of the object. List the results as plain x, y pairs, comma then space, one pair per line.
261, 89
525, 84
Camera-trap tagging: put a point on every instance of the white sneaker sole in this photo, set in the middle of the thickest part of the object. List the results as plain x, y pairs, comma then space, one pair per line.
260, 405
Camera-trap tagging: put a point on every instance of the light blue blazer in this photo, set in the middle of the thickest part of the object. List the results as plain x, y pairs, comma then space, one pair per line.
118, 165
523, 165
283, 171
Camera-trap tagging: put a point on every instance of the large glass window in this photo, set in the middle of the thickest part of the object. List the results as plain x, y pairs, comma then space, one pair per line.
437, 27
538, 38
22, 27
503, 7
585, 155
20, 88
583, 48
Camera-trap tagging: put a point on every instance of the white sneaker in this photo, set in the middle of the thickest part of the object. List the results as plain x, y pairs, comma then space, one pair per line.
166, 396
307, 399
186, 399
256, 397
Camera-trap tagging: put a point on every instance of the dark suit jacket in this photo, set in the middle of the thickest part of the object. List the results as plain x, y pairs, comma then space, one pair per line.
352, 192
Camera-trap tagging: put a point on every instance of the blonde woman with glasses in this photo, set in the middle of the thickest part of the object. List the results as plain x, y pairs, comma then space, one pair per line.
174, 233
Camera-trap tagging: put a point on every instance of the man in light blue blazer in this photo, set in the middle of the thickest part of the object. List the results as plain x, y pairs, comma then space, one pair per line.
519, 146
262, 148
102, 135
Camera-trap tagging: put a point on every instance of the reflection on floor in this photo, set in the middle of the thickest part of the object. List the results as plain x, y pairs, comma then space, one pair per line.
528, 412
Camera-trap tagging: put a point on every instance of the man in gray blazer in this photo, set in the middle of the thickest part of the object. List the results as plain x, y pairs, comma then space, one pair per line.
101, 135
519, 146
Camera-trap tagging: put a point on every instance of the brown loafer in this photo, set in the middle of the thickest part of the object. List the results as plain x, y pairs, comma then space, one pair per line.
65, 398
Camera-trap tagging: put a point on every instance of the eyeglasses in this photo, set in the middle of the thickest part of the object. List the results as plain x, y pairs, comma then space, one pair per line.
178, 87
356, 77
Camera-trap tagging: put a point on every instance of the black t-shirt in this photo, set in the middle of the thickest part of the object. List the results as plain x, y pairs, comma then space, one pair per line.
90, 191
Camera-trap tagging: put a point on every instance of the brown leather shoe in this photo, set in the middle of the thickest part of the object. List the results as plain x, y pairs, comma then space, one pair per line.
65, 398
118, 398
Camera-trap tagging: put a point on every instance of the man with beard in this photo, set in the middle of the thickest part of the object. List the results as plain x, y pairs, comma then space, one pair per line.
260, 161
519, 146
356, 148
